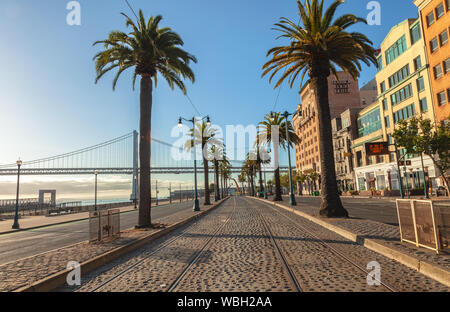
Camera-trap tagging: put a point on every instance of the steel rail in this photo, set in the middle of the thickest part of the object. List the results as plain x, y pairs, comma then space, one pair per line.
200, 252
291, 275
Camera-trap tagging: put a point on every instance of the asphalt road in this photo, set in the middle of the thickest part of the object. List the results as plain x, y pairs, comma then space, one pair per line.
23, 244
377, 209
381, 210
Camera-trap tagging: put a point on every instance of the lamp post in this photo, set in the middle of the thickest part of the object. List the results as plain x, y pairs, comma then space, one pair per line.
399, 171
156, 192
135, 195
16, 216
95, 195
180, 124
170, 192
292, 201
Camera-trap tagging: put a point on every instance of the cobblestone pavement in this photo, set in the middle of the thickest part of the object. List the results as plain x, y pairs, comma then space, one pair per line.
381, 232
332, 271
25, 271
160, 269
241, 257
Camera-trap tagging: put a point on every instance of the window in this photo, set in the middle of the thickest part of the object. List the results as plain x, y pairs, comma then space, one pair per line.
437, 71
415, 33
441, 98
380, 63
382, 87
401, 95
447, 65
423, 105
443, 37
396, 78
341, 87
396, 50
385, 104
369, 122
404, 113
430, 19
434, 45
440, 11
386, 122
420, 84
418, 62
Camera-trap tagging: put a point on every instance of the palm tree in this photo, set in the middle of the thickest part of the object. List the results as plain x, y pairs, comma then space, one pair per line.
205, 134
217, 153
259, 162
150, 50
250, 167
265, 136
301, 179
241, 179
224, 166
317, 48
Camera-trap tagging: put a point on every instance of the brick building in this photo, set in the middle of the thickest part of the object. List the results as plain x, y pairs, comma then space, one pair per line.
343, 94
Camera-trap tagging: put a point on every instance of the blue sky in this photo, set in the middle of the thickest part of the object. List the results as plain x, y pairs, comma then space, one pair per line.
49, 103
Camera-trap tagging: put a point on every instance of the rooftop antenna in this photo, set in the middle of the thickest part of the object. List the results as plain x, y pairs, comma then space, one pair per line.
131, 8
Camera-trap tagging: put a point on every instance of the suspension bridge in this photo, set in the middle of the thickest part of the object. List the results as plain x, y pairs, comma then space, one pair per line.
118, 156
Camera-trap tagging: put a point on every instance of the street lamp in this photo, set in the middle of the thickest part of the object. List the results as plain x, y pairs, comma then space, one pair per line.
95, 201
180, 124
135, 194
16, 216
286, 114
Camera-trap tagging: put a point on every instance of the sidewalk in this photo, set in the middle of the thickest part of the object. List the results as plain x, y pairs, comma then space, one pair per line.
379, 237
33, 222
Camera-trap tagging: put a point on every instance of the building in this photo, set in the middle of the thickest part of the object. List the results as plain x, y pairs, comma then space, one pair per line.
345, 131
343, 94
435, 17
404, 91
368, 93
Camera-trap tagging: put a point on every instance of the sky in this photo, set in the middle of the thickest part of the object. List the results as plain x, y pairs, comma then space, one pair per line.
49, 103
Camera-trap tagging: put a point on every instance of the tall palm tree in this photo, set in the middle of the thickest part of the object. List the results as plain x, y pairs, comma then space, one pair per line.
150, 50
259, 163
265, 136
241, 179
250, 167
205, 134
217, 153
224, 166
318, 48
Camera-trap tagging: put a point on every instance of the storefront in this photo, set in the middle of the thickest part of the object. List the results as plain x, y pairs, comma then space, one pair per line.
384, 176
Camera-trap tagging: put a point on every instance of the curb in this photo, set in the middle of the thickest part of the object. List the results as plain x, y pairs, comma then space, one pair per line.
430, 270
57, 279
51, 224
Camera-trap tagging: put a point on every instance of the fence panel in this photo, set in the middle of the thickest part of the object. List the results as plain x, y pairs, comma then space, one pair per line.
406, 221
94, 226
425, 224
104, 223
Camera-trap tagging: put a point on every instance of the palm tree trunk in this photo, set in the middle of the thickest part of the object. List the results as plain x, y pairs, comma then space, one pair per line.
144, 219
331, 202
261, 187
277, 185
206, 174
221, 183
216, 181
